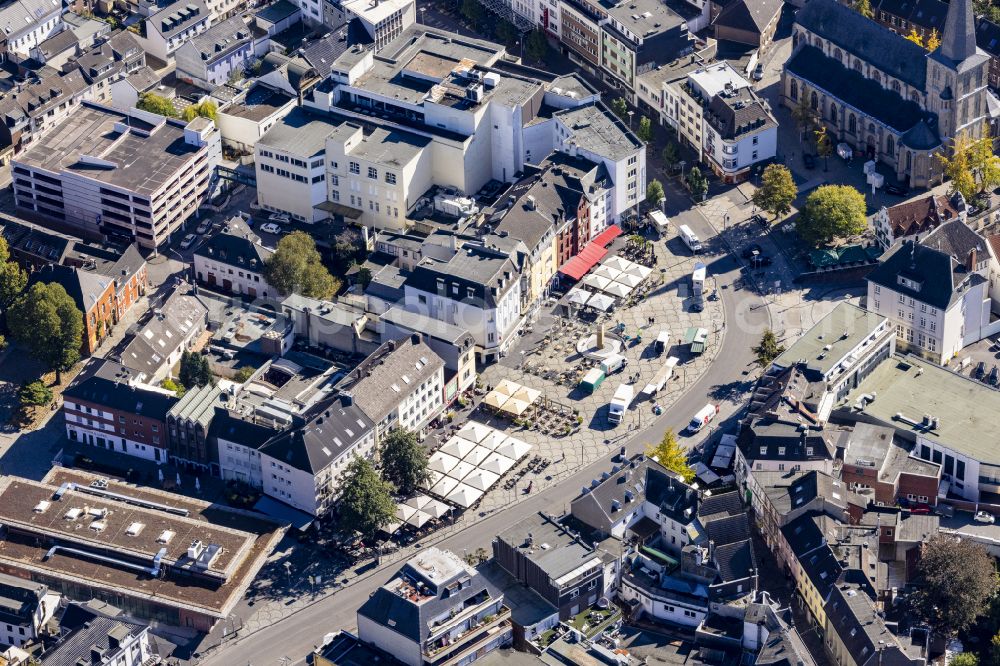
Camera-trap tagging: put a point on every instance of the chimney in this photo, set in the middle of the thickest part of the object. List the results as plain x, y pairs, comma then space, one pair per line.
415, 338
970, 261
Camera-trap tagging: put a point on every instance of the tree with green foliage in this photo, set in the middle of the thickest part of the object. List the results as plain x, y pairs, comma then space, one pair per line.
365, 504
777, 190
403, 460
35, 394
150, 101
47, 322
296, 267
13, 279
697, 183
645, 131
473, 11
671, 455
964, 659
654, 193
955, 580
768, 349
536, 45
671, 155
620, 107
195, 370
832, 211
864, 7
364, 277
824, 146
805, 116
171, 385
244, 374
206, 109
505, 32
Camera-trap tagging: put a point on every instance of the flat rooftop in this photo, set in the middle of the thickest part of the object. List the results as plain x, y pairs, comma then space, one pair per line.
595, 128
245, 541
130, 160
260, 102
390, 147
842, 330
646, 18
968, 412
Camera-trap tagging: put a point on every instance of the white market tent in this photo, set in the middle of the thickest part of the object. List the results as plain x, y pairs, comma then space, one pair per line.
458, 446
618, 263
475, 432
618, 289
577, 296
481, 479
601, 302
477, 455
436, 508
497, 464
596, 282
461, 470
441, 462
462, 482
514, 449
418, 519
444, 486
464, 496
609, 272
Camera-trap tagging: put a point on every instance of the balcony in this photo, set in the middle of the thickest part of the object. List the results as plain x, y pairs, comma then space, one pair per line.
472, 640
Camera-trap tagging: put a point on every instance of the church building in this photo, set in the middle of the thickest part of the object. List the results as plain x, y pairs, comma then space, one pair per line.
886, 97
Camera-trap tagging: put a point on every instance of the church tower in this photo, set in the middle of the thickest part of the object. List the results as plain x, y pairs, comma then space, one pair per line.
956, 76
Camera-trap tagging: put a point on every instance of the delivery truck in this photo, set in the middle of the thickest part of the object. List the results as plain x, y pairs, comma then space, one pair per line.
620, 402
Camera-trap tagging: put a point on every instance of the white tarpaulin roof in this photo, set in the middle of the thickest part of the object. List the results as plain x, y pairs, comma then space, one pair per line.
477, 455
404, 511
481, 479
436, 509
607, 272
618, 289
497, 463
441, 462
528, 394
474, 432
464, 496
596, 281
506, 387
418, 519
418, 501
515, 406
629, 280
514, 449
577, 296
495, 400
639, 271
601, 302
493, 440
444, 486
618, 263
458, 447
461, 470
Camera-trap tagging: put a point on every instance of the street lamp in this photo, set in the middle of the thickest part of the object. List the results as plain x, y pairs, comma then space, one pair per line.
630, 114
422, 10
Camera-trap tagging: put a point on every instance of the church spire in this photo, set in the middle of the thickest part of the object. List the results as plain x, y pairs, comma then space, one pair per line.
959, 39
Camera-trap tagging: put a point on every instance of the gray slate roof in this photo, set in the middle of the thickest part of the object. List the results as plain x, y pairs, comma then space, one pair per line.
869, 41
332, 429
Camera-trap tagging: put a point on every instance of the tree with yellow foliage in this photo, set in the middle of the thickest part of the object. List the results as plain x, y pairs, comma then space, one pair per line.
670, 454
933, 41
972, 166
915, 37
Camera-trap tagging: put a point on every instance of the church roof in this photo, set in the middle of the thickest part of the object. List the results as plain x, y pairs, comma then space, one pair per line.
921, 137
868, 41
852, 88
958, 41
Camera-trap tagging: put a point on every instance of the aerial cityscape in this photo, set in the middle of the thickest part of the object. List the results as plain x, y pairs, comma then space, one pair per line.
441, 332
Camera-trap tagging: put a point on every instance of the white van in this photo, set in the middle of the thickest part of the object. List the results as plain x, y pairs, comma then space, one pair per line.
614, 363
704, 416
620, 402
690, 239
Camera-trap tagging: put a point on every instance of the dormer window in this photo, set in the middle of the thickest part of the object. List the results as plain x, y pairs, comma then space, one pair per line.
908, 283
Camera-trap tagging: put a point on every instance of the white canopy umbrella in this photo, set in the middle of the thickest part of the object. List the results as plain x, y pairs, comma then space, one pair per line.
461, 470
596, 282
514, 449
629, 279
434, 477
458, 447
464, 496
618, 289
601, 302
418, 501
577, 296
391, 527
481, 479
494, 400
497, 463
515, 406
527, 394
444, 486
639, 271
475, 432
404, 511
493, 440
418, 519
620, 263
507, 387
477, 455
436, 509
607, 272
441, 462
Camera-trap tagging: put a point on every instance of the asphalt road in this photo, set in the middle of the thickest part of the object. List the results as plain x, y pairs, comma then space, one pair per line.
294, 636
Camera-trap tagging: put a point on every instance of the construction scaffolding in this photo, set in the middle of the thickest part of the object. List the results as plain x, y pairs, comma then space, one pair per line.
505, 10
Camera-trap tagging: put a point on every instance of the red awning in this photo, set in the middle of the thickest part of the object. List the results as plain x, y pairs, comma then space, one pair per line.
578, 266
605, 237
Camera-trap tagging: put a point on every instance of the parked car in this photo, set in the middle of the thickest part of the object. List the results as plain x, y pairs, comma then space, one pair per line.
278, 217
697, 305
758, 72
270, 228
994, 377
809, 161
203, 228
752, 250
920, 508
980, 370
188, 241
983, 517
897, 190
